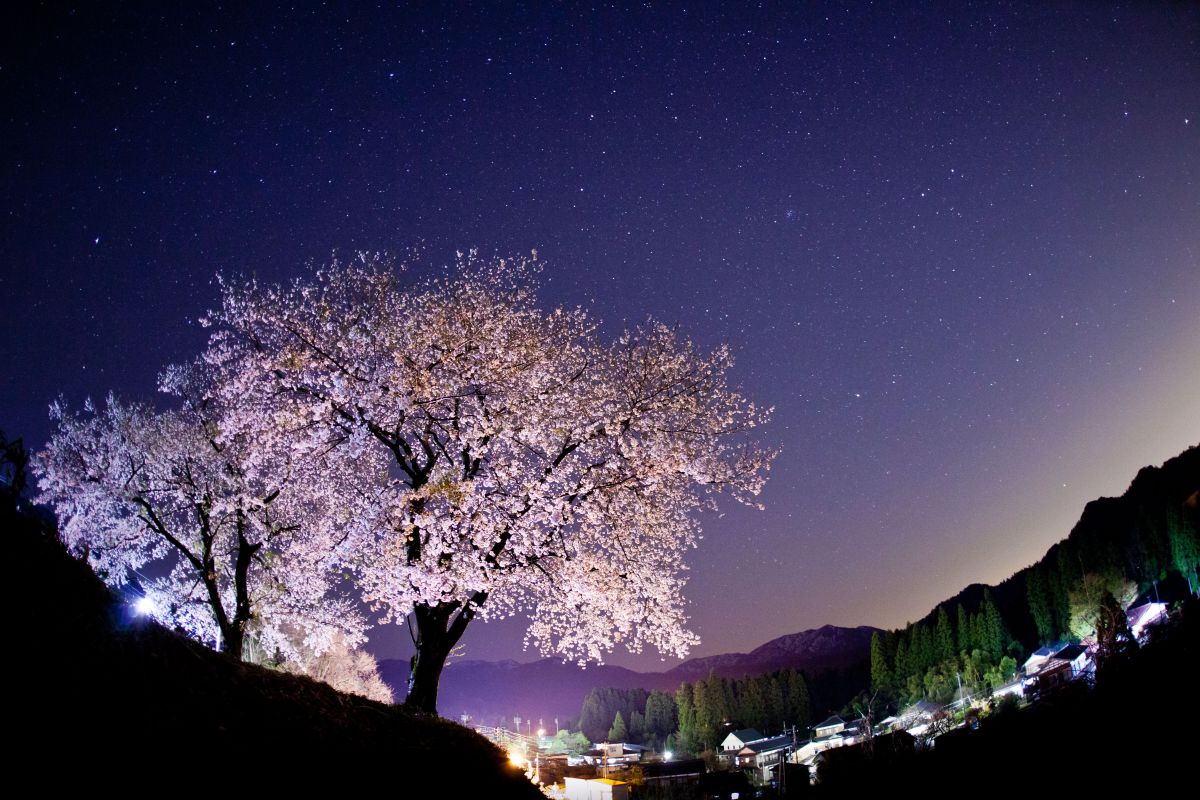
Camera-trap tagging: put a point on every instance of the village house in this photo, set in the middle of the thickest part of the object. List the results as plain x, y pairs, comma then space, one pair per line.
1039, 657
764, 754
1068, 664
833, 732
734, 742
615, 754
738, 739
830, 727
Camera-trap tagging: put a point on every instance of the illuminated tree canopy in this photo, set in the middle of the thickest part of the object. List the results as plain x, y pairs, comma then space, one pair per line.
209, 524
487, 458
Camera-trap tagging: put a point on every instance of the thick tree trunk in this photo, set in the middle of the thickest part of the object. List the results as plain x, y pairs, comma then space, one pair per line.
427, 667
433, 645
438, 629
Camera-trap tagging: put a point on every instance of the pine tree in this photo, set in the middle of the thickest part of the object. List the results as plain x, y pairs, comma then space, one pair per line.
752, 708
966, 641
921, 649
637, 726
688, 738
943, 638
903, 664
996, 632
773, 703
1185, 546
592, 718
1039, 604
979, 631
881, 673
660, 714
798, 703
712, 709
617, 732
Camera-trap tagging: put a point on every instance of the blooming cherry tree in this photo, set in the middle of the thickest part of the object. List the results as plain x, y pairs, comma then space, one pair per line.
490, 458
229, 554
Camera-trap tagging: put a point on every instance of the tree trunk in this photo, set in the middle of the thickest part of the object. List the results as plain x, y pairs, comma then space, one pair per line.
438, 630
433, 645
241, 586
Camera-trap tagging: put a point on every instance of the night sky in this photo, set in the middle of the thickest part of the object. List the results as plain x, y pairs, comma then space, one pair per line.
956, 245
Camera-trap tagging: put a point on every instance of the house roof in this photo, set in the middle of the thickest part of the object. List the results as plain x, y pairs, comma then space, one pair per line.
746, 735
1071, 652
922, 706
829, 723
1146, 611
1048, 650
767, 745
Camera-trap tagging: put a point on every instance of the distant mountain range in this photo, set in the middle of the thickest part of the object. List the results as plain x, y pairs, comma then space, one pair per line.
548, 688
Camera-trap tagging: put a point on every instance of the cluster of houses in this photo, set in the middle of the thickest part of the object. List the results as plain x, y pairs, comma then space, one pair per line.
770, 759
1059, 663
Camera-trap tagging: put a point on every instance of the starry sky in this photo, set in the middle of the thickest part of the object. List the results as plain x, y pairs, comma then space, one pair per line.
956, 245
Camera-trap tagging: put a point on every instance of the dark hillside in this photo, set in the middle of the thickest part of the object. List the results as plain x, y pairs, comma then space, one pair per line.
89, 686
1134, 730
1131, 534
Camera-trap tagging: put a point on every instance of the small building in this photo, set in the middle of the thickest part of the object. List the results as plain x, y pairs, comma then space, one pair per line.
809, 750
615, 754
1066, 665
829, 727
1039, 657
764, 754
1142, 617
837, 733
736, 740
1076, 655
596, 789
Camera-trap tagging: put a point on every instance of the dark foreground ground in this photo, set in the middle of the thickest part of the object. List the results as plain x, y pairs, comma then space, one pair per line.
97, 698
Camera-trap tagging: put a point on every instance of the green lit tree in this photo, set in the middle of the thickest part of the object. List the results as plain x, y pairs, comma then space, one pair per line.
1185, 545
1089, 597
943, 637
688, 738
617, 732
881, 673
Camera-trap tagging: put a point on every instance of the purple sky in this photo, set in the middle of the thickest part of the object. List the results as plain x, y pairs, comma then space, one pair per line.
957, 248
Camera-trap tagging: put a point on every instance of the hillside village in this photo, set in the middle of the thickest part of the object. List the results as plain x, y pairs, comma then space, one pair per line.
748, 760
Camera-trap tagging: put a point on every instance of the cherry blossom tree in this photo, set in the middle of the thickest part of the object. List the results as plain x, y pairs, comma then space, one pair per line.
491, 458
347, 669
229, 554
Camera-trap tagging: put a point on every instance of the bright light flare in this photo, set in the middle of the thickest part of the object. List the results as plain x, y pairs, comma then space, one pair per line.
516, 759
144, 606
